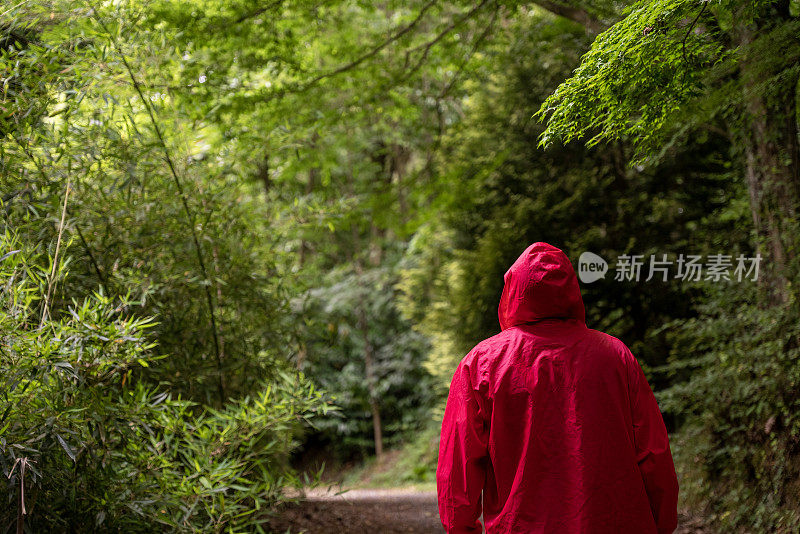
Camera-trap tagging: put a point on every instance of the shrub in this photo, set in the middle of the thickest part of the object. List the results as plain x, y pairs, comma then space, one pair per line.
740, 443
87, 445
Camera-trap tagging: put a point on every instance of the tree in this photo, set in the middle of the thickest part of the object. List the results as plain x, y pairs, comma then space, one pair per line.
669, 67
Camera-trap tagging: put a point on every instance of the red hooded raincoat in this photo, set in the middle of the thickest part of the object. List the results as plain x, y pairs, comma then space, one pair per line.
553, 422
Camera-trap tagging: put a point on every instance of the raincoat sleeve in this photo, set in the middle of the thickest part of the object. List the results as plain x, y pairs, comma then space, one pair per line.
652, 451
463, 454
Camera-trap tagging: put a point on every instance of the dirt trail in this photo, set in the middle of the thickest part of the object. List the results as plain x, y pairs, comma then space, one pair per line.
382, 511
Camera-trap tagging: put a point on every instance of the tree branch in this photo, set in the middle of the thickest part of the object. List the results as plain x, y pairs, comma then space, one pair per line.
303, 86
258, 11
475, 45
426, 47
103, 281
592, 24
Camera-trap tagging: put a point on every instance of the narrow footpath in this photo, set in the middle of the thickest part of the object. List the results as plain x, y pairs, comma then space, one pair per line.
383, 511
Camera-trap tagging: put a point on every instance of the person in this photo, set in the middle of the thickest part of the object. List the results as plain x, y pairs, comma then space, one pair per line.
552, 423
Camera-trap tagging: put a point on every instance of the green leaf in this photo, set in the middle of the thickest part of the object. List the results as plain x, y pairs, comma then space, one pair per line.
66, 447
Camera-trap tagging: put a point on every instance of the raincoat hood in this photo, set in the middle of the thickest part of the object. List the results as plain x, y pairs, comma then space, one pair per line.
541, 284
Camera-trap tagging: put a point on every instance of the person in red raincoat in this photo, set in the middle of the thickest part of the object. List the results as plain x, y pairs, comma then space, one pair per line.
553, 423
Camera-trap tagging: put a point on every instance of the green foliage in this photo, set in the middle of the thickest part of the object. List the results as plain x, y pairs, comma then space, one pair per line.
345, 312
186, 244
333, 111
29, 66
98, 449
671, 66
737, 371
636, 75
428, 284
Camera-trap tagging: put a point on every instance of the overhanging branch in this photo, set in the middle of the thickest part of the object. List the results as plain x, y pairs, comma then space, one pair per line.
592, 24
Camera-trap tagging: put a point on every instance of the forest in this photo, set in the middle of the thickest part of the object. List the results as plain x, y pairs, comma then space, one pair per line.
245, 243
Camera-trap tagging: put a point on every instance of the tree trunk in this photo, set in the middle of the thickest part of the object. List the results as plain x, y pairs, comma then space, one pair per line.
313, 175
262, 173
369, 368
374, 251
771, 171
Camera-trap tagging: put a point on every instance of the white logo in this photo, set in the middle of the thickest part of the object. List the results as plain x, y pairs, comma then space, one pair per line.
591, 267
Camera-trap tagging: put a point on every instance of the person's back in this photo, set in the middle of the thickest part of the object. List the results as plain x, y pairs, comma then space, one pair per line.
553, 422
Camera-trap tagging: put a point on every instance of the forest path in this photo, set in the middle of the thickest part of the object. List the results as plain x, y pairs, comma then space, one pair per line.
363, 511
383, 511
